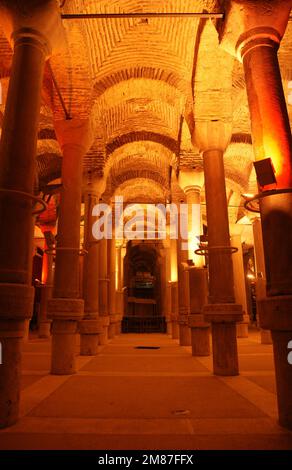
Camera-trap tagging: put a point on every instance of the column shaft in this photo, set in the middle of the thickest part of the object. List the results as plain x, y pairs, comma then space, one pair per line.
183, 292
67, 307
272, 138
90, 326
112, 287
17, 173
222, 311
103, 289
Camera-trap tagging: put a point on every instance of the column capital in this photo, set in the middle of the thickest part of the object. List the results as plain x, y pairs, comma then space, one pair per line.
250, 23
41, 21
75, 132
213, 134
94, 187
191, 179
192, 189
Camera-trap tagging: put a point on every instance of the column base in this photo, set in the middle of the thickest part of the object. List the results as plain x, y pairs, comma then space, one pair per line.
266, 337
63, 360
16, 302
223, 318
118, 325
112, 327
26, 330
103, 337
200, 335
45, 330
175, 329
168, 327
242, 327
184, 335
11, 335
275, 315
66, 314
89, 330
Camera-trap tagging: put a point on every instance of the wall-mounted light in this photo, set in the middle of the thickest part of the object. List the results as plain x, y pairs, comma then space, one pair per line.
265, 172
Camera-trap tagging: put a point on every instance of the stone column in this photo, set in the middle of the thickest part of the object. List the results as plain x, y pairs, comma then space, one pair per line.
200, 330
166, 288
119, 290
103, 290
261, 291
17, 175
239, 280
174, 309
112, 288
173, 288
90, 326
255, 42
183, 289
222, 311
66, 307
46, 293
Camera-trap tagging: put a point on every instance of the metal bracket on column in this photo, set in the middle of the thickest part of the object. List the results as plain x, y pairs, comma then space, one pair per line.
36, 199
224, 250
252, 203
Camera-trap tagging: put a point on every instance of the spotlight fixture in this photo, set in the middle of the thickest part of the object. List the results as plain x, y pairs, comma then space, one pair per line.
265, 172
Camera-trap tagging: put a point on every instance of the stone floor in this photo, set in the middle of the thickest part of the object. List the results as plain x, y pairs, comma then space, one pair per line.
128, 398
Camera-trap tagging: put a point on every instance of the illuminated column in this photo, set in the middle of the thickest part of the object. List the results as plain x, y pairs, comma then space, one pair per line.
261, 281
166, 288
112, 288
46, 294
200, 329
222, 311
255, 40
119, 291
90, 327
239, 280
17, 176
183, 289
174, 289
103, 290
66, 307
191, 182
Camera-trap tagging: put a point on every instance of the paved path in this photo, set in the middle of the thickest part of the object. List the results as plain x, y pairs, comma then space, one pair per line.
128, 398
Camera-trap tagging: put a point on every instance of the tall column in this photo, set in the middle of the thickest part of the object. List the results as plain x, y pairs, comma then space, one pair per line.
239, 280
46, 293
66, 307
174, 288
17, 175
119, 290
166, 288
261, 291
90, 326
103, 290
183, 290
222, 311
112, 287
256, 43
200, 330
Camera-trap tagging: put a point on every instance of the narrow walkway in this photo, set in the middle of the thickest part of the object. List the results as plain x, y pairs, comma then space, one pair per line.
128, 398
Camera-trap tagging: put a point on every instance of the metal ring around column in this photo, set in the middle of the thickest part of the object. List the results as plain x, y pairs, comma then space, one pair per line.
81, 251
248, 204
36, 199
225, 249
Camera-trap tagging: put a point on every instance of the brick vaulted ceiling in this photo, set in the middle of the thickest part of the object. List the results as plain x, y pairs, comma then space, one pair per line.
144, 83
